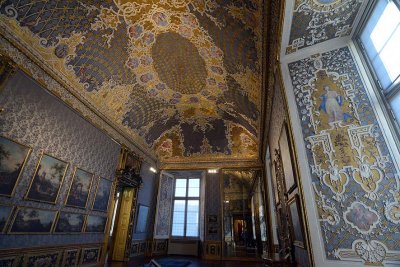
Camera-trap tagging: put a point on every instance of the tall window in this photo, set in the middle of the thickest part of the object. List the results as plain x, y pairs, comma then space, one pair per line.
379, 40
185, 218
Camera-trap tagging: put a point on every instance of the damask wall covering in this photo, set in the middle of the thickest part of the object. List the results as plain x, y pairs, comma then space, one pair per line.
181, 79
35, 118
355, 179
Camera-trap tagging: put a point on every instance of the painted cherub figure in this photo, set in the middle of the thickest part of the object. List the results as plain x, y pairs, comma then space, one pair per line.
331, 104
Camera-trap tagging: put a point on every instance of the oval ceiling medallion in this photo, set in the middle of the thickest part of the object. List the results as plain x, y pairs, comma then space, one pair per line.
179, 64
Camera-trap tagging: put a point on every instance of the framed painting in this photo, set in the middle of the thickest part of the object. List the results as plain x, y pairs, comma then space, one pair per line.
69, 223
7, 69
70, 258
95, 224
13, 157
32, 221
288, 159
296, 221
47, 180
143, 214
5, 214
102, 195
79, 189
90, 256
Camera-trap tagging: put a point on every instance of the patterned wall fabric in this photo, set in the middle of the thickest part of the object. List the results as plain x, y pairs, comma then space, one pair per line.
35, 118
180, 78
355, 181
315, 21
164, 207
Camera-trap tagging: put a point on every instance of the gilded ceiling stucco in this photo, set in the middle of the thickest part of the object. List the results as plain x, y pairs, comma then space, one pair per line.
182, 78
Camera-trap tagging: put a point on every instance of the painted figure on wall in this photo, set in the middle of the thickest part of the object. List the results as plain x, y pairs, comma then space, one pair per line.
331, 104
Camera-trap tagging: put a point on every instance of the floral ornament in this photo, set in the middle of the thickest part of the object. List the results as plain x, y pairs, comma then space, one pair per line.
392, 209
326, 210
362, 218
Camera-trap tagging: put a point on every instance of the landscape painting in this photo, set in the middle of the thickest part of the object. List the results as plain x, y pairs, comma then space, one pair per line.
79, 189
28, 220
5, 212
48, 178
95, 224
102, 195
12, 160
69, 223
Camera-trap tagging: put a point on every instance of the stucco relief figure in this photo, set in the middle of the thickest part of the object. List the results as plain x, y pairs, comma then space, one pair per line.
331, 104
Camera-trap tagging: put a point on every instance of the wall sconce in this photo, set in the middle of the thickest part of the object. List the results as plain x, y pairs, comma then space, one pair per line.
212, 171
153, 170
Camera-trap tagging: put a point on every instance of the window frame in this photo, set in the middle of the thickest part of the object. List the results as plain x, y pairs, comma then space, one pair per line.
384, 95
186, 199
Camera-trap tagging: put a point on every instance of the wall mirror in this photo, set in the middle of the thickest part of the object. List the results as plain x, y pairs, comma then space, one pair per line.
245, 232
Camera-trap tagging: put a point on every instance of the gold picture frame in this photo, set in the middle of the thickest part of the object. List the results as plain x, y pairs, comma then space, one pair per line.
88, 191
10, 230
34, 178
3, 223
24, 161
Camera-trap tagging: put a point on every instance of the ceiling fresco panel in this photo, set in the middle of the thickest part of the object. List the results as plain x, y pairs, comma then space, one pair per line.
316, 21
182, 78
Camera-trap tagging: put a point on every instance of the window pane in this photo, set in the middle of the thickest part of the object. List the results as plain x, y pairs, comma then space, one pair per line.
193, 205
178, 218
381, 39
179, 205
395, 104
194, 188
180, 187
192, 229
192, 217
177, 229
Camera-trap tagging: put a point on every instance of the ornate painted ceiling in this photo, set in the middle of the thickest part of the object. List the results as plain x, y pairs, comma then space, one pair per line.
316, 21
180, 78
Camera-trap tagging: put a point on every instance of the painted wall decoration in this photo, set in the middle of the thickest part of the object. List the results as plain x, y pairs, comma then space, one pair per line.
181, 79
70, 258
355, 180
90, 256
79, 190
102, 195
164, 205
47, 259
95, 224
69, 223
28, 220
12, 160
315, 21
5, 214
37, 119
47, 180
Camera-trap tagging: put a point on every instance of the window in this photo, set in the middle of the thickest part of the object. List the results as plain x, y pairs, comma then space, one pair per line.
379, 40
185, 216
